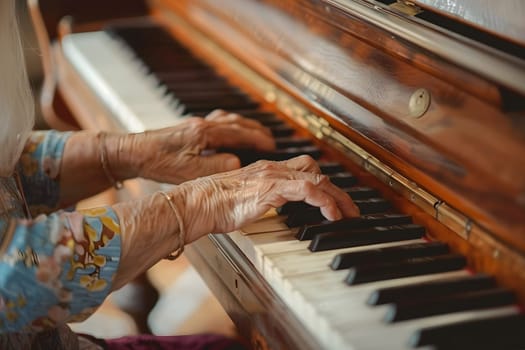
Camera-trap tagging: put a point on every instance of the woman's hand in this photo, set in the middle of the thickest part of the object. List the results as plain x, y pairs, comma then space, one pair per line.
228, 201
151, 227
184, 151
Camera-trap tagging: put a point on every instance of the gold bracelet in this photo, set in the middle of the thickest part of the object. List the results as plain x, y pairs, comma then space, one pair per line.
101, 136
182, 234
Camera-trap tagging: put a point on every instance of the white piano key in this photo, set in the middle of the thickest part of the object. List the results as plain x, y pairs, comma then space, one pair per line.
300, 261
120, 81
255, 246
271, 222
396, 336
326, 305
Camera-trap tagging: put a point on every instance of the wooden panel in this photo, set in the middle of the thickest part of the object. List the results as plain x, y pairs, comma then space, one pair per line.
86, 11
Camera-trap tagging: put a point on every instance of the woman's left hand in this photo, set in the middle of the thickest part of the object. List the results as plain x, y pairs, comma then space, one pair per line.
185, 151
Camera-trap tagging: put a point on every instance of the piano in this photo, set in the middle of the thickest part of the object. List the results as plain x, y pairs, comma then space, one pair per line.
416, 108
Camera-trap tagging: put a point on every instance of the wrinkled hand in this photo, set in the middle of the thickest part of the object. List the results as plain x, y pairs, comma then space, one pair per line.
225, 202
177, 154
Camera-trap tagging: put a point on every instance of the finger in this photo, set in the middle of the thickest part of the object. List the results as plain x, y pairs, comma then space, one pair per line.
233, 118
216, 114
303, 163
342, 199
216, 163
304, 190
245, 122
227, 135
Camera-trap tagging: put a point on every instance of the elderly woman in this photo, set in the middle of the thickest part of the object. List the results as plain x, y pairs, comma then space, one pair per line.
58, 266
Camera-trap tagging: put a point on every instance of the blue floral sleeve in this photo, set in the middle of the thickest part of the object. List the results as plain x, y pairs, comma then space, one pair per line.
39, 168
56, 268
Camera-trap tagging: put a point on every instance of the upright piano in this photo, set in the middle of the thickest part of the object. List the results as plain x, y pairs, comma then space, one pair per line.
416, 108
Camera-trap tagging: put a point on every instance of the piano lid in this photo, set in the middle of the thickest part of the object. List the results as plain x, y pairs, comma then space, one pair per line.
471, 41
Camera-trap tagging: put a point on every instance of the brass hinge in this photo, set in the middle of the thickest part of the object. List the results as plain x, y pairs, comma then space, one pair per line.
406, 7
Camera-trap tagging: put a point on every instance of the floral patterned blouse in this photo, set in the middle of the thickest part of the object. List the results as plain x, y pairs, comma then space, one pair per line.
56, 266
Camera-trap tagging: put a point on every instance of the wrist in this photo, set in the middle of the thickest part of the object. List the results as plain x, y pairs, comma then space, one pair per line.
121, 161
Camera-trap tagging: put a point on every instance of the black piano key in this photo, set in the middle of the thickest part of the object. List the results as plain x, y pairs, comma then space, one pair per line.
312, 215
407, 268
257, 115
212, 100
212, 96
431, 289
502, 332
304, 216
414, 250
372, 205
328, 168
208, 106
267, 119
309, 231
291, 152
291, 207
190, 75
361, 237
286, 142
282, 130
360, 192
204, 94
163, 62
343, 179
474, 300
272, 123
199, 86
250, 156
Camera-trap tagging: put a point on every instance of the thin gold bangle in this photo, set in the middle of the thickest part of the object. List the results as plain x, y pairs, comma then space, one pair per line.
182, 233
104, 161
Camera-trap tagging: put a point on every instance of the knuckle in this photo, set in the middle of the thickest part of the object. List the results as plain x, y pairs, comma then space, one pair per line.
234, 117
322, 179
307, 159
266, 169
198, 125
265, 165
307, 186
217, 111
308, 162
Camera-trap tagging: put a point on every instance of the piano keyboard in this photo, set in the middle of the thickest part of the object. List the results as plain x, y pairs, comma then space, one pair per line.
374, 282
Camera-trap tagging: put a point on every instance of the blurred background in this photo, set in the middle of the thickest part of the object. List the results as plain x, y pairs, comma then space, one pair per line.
182, 304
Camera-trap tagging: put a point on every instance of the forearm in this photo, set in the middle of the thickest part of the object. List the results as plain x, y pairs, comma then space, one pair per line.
82, 172
149, 232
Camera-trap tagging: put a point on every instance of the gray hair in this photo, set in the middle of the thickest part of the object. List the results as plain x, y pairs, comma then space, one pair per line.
16, 101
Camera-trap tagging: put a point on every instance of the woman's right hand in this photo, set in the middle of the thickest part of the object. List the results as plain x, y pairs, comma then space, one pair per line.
227, 201
150, 228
